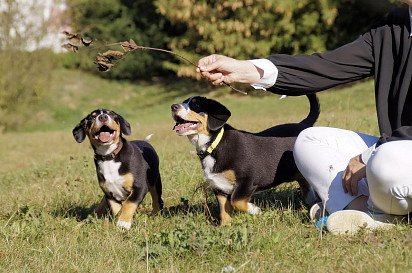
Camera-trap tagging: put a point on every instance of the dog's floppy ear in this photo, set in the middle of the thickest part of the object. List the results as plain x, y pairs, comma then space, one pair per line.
218, 114
79, 133
124, 125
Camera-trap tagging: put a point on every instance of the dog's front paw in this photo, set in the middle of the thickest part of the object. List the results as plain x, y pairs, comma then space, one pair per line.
124, 224
252, 209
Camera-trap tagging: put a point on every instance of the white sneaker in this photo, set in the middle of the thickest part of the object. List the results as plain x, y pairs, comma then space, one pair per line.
351, 221
317, 211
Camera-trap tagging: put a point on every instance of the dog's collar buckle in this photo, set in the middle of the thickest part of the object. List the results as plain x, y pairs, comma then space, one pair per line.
202, 154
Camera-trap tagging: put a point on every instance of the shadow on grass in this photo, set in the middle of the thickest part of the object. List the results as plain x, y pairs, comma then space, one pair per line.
79, 212
285, 198
209, 209
280, 199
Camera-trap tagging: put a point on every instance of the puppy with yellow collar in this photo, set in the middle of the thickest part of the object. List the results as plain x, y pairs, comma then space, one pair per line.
237, 163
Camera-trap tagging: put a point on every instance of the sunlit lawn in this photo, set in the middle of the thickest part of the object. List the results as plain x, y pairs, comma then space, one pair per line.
48, 190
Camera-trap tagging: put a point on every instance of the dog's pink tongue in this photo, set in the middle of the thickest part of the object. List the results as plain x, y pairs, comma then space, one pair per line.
104, 136
181, 127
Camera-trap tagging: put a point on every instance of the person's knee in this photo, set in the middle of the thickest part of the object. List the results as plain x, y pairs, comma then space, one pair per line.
385, 163
305, 137
388, 178
380, 166
308, 134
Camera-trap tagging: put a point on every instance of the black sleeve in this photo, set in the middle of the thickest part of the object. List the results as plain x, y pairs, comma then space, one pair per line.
302, 74
402, 133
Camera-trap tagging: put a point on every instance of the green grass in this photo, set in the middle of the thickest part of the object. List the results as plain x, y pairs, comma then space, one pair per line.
48, 190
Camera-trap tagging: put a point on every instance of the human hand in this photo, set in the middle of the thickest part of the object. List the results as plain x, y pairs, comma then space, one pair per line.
354, 172
220, 69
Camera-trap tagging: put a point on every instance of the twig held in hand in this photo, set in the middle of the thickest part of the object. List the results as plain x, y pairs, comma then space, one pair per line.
105, 61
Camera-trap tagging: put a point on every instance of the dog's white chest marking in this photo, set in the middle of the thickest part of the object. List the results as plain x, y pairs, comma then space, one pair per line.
113, 180
216, 180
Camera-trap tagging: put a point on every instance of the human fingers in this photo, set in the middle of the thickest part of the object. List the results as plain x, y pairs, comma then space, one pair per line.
350, 182
216, 78
353, 185
354, 172
213, 76
208, 63
346, 178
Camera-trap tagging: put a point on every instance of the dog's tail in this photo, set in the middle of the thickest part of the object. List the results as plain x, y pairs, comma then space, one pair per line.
148, 138
314, 110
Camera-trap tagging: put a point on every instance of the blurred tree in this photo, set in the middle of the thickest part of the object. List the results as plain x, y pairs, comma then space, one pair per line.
121, 20
24, 71
248, 28
239, 28
257, 28
354, 18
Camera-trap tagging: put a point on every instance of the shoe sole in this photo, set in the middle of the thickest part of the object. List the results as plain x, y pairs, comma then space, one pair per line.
351, 221
316, 212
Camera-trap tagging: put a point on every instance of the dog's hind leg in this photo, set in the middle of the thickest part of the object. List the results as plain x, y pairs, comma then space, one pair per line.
241, 203
156, 193
245, 206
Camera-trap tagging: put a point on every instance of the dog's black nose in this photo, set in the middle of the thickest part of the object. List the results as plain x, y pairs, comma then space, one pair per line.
103, 117
175, 107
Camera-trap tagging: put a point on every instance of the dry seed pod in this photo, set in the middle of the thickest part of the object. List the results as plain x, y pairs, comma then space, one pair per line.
105, 60
126, 46
71, 47
103, 66
75, 39
129, 46
112, 53
87, 41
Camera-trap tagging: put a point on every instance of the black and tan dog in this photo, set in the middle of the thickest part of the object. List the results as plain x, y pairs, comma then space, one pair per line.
238, 163
126, 170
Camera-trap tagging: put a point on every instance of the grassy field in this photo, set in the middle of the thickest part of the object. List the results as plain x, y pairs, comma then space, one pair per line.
48, 191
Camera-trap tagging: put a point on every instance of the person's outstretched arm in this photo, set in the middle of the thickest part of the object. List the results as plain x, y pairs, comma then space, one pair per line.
220, 69
299, 74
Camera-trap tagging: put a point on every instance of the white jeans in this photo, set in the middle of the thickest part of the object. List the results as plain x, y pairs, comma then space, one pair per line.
323, 153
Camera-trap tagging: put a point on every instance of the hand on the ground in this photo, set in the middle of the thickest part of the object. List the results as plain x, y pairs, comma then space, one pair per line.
220, 69
355, 171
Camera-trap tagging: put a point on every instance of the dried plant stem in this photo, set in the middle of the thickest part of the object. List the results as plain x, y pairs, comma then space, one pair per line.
107, 61
204, 188
170, 52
